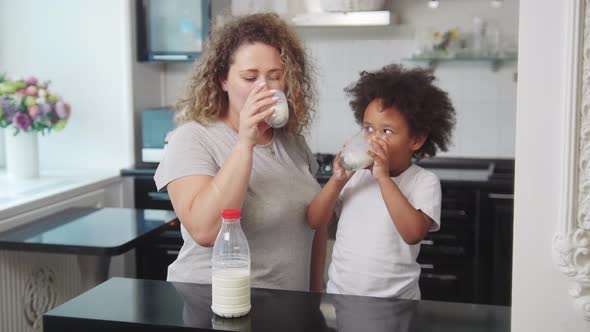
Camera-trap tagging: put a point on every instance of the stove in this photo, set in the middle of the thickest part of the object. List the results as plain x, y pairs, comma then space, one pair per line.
325, 170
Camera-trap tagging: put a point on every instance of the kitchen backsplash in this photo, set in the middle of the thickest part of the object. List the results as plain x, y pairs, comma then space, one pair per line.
485, 101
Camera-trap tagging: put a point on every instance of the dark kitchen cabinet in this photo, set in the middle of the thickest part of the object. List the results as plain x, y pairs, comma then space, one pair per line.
153, 259
161, 250
449, 257
501, 207
147, 196
447, 282
470, 258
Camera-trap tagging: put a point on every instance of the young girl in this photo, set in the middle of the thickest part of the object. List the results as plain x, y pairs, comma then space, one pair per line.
386, 210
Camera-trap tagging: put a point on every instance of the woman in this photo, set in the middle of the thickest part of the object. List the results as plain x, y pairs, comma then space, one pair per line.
223, 155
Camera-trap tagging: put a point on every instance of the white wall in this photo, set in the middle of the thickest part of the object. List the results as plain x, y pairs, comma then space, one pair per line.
459, 13
148, 83
485, 100
540, 300
83, 48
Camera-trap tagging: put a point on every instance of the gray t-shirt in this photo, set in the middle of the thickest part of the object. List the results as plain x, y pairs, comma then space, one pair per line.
274, 214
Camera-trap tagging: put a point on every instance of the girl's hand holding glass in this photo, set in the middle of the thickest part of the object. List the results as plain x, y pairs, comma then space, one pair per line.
355, 152
380, 154
339, 172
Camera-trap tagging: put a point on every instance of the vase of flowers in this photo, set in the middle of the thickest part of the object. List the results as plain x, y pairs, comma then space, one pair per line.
28, 107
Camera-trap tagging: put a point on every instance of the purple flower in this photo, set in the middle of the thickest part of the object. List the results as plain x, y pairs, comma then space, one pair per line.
9, 109
45, 108
4, 101
22, 121
62, 109
31, 80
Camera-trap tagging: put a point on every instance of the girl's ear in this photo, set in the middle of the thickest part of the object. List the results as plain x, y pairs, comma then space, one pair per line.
224, 85
418, 141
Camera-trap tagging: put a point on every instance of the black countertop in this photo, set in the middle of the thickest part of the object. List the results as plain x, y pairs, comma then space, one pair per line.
147, 305
148, 171
88, 231
463, 171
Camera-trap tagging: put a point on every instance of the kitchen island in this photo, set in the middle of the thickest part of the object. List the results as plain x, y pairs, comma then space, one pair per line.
121, 304
46, 262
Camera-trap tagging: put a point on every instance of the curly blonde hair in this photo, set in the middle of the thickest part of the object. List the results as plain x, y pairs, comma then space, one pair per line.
204, 99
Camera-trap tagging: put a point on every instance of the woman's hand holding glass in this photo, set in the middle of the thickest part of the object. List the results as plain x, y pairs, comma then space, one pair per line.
251, 117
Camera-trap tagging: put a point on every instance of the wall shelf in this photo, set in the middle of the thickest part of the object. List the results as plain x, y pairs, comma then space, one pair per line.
366, 18
433, 61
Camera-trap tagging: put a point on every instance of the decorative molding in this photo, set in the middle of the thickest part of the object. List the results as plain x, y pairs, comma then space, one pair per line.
40, 296
32, 283
571, 244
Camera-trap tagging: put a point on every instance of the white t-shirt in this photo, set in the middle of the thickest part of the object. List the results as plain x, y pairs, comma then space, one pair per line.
369, 257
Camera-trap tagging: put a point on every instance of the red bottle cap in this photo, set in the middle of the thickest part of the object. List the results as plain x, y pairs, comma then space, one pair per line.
230, 214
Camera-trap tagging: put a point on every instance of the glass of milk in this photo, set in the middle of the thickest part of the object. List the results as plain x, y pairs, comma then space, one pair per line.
280, 117
354, 155
231, 268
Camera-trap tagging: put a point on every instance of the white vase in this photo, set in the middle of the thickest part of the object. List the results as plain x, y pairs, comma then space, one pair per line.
22, 157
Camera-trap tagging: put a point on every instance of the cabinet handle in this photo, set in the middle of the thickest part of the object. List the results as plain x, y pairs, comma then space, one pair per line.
172, 252
500, 196
443, 277
436, 236
171, 57
159, 196
453, 213
427, 242
427, 266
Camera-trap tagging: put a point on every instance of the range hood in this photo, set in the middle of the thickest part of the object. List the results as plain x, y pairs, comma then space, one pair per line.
335, 19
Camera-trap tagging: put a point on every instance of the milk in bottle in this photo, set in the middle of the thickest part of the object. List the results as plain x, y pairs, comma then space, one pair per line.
231, 268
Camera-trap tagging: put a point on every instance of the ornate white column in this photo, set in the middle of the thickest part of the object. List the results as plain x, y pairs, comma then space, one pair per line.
571, 244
